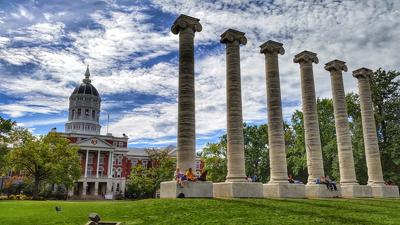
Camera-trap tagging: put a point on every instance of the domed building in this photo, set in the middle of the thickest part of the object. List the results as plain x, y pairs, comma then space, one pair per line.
84, 108
104, 162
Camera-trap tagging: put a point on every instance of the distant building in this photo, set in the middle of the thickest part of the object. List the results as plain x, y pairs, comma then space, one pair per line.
106, 160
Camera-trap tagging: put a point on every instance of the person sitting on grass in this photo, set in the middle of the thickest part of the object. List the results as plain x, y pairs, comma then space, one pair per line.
203, 176
190, 176
179, 177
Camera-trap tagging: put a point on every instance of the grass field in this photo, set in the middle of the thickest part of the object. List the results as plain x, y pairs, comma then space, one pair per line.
205, 211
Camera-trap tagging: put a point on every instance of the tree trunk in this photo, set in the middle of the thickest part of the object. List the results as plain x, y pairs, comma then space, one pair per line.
35, 194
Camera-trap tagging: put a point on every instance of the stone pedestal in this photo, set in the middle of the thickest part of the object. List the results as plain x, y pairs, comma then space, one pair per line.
238, 190
284, 190
356, 191
385, 191
199, 189
320, 191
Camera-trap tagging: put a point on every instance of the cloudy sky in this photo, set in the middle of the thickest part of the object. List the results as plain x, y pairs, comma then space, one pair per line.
46, 45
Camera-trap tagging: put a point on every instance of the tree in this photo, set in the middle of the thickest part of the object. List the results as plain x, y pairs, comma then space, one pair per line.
48, 158
6, 127
214, 157
143, 182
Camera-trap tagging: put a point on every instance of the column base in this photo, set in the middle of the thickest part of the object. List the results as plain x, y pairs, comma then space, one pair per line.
385, 191
356, 191
198, 189
284, 190
238, 190
320, 191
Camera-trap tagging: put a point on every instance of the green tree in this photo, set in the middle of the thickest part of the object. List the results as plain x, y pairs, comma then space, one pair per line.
46, 159
214, 158
385, 88
143, 182
6, 127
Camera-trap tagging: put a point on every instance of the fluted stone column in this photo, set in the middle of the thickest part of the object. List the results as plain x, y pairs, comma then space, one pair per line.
345, 150
186, 27
372, 154
235, 184
236, 162
276, 138
311, 125
278, 186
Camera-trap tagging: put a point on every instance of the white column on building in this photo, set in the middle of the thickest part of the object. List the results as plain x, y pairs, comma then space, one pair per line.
98, 163
110, 166
86, 162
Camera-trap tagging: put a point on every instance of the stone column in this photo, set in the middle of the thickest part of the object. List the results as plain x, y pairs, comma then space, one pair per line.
235, 140
96, 188
98, 164
110, 166
343, 137
86, 162
84, 187
186, 27
311, 127
372, 154
276, 139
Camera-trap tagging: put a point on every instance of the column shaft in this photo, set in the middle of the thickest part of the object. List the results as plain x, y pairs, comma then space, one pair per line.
276, 139
236, 161
98, 164
343, 137
369, 132
311, 126
86, 162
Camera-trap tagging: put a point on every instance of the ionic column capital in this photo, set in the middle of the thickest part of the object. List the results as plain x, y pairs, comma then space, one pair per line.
184, 22
306, 57
233, 36
272, 47
336, 65
362, 73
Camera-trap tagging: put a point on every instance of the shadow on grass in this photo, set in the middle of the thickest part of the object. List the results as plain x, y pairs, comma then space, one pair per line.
276, 205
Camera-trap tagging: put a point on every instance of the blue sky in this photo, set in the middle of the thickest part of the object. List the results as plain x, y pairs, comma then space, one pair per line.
46, 45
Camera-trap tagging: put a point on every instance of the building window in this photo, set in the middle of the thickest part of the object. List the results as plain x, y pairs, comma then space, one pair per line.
119, 172
102, 156
93, 115
86, 113
134, 163
79, 113
120, 144
144, 163
198, 165
114, 172
119, 160
89, 171
90, 159
117, 187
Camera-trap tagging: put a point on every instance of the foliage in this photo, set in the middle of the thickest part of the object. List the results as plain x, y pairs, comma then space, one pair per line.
385, 88
6, 127
48, 158
145, 181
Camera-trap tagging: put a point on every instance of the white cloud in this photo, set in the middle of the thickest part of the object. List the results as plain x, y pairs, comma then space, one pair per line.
363, 33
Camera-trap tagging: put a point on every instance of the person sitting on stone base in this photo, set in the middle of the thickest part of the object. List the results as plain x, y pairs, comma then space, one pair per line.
332, 184
203, 176
290, 179
179, 177
190, 176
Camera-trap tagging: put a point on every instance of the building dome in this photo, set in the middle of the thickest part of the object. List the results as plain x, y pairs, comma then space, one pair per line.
84, 108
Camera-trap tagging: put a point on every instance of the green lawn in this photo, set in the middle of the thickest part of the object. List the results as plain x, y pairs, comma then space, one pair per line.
205, 211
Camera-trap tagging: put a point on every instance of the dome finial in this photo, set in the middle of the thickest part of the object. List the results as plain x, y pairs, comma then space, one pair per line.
87, 75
